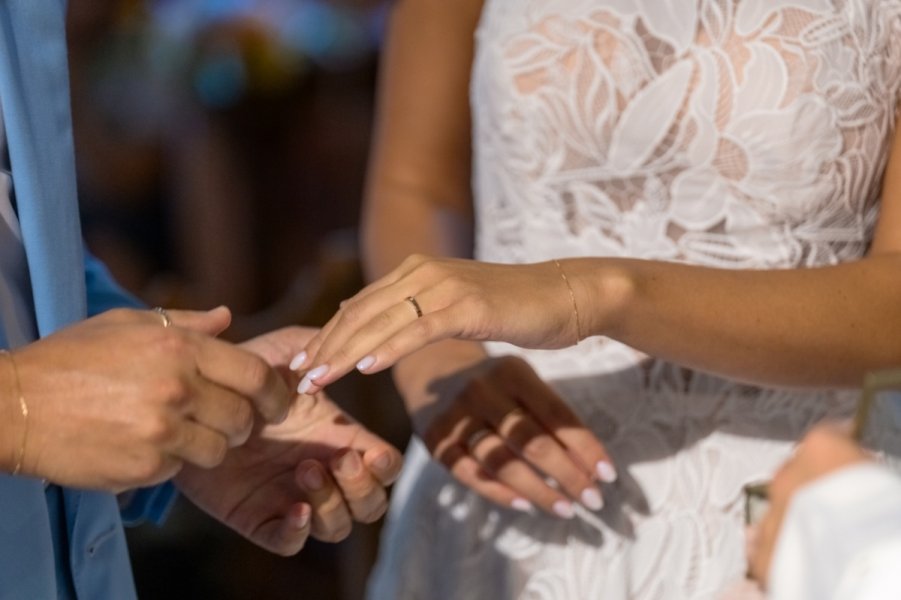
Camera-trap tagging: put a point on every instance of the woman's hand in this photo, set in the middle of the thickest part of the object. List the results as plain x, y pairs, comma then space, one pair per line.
503, 432
429, 299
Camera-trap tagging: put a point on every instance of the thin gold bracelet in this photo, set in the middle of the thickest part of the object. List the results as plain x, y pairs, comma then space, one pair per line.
20, 457
572, 297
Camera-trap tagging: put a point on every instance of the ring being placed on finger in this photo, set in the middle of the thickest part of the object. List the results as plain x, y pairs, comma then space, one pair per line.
477, 436
164, 315
415, 306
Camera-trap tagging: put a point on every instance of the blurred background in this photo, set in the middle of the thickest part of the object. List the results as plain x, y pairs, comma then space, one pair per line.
221, 151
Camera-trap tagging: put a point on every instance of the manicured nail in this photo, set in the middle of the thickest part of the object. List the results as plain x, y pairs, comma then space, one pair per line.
349, 464
592, 500
313, 479
365, 363
302, 519
298, 361
307, 382
564, 509
317, 372
382, 462
523, 505
606, 472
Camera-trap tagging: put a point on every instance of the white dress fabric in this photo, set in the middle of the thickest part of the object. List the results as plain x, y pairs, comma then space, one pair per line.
733, 134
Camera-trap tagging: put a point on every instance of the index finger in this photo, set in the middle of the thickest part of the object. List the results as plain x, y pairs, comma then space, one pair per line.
245, 373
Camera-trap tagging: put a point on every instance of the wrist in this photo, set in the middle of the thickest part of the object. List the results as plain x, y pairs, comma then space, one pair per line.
415, 374
603, 289
14, 414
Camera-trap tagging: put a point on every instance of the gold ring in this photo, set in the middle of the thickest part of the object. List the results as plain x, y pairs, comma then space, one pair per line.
477, 436
415, 306
167, 321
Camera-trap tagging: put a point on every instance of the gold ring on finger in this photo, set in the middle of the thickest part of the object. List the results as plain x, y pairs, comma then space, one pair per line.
415, 306
477, 436
164, 315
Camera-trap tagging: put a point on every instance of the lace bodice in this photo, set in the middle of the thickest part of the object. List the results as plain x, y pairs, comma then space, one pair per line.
735, 134
714, 132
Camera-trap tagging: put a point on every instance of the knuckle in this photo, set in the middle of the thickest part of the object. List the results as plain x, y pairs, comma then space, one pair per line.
242, 419
373, 513
215, 452
496, 459
538, 448
120, 315
336, 534
423, 329
256, 373
158, 430
173, 341
173, 392
351, 313
151, 467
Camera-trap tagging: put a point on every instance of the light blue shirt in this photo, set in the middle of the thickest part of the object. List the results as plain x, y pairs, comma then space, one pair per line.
67, 285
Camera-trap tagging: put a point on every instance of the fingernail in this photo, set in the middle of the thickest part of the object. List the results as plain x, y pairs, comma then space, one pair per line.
382, 462
349, 464
313, 479
307, 382
304, 386
365, 363
523, 505
298, 361
564, 509
317, 372
592, 500
606, 471
301, 520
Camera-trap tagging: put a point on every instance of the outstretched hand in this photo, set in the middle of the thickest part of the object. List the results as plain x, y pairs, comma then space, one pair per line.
427, 299
313, 474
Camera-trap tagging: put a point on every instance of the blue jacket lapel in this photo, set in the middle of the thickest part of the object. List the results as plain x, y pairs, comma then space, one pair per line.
34, 90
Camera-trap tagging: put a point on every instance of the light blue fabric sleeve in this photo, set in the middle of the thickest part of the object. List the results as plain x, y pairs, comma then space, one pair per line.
145, 504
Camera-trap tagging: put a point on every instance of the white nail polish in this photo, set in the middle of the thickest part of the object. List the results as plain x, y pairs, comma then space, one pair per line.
606, 472
564, 509
317, 372
592, 500
523, 505
304, 386
365, 363
297, 361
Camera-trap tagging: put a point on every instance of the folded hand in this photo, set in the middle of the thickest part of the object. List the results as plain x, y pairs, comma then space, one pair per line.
313, 474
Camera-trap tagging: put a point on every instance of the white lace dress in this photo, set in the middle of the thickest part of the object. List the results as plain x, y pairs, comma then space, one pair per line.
737, 134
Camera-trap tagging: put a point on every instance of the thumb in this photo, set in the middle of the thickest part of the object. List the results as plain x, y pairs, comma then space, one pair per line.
210, 322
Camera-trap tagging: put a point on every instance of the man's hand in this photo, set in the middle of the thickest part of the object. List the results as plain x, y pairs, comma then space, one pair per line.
120, 401
274, 489
826, 449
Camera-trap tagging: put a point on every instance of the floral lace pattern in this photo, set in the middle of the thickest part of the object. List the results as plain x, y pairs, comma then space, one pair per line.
735, 134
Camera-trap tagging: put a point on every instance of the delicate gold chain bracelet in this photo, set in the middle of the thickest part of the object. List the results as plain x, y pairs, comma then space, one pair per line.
20, 456
572, 297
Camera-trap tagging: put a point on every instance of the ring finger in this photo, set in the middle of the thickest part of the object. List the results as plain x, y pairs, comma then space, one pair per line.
534, 443
490, 451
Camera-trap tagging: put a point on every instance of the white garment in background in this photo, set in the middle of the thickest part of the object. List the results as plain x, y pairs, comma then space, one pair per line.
841, 539
17, 321
747, 135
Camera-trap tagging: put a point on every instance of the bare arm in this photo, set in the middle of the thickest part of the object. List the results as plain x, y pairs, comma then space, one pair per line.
816, 327
799, 327
418, 196
419, 201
